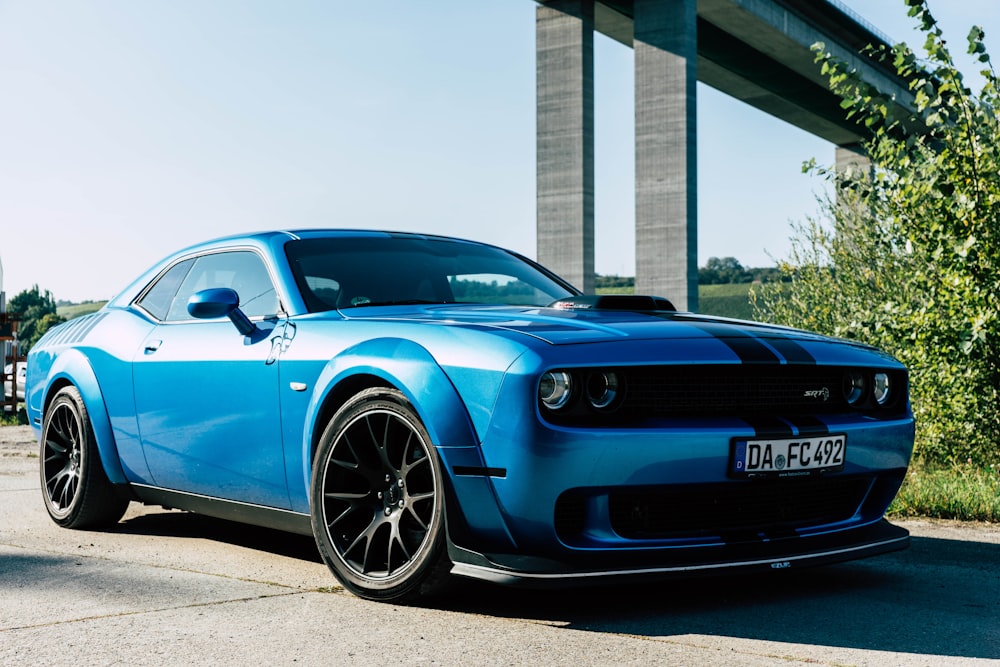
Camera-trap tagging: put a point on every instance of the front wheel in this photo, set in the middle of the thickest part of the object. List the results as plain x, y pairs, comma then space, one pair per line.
377, 500
75, 488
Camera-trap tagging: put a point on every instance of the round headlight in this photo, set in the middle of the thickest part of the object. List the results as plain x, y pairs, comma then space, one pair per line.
854, 387
555, 389
603, 387
880, 388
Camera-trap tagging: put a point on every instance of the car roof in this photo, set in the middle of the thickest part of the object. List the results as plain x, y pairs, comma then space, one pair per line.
270, 240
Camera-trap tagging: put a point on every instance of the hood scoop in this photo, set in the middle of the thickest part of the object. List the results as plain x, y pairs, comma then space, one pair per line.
630, 302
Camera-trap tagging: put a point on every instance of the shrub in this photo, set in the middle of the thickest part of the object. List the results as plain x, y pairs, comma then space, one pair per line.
908, 255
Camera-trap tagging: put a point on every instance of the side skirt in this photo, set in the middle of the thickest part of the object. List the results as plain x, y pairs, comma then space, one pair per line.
257, 515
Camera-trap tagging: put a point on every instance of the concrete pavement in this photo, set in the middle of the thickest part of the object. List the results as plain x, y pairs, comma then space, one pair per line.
166, 587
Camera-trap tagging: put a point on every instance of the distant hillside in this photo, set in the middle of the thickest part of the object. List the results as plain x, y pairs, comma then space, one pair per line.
723, 300
71, 310
731, 300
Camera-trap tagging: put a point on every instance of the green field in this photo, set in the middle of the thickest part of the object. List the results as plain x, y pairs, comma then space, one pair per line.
726, 300
78, 309
723, 300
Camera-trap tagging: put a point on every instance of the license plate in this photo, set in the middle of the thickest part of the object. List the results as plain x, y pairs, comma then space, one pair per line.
788, 457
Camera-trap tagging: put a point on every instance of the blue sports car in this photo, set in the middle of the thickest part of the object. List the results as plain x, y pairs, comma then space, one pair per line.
429, 408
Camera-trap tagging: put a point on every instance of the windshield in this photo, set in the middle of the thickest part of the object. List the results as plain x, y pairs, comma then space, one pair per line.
353, 272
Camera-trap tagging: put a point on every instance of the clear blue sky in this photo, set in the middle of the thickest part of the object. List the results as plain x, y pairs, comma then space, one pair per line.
130, 129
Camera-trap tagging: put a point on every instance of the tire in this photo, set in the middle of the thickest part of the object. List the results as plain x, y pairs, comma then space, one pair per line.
378, 502
75, 488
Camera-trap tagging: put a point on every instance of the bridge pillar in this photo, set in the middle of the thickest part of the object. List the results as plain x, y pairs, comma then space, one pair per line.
666, 184
564, 34
851, 156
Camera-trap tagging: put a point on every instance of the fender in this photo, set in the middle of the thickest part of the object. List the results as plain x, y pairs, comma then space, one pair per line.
73, 367
411, 369
408, 367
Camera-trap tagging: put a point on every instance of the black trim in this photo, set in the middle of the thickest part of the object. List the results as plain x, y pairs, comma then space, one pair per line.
220, 508
477, 471
610, 568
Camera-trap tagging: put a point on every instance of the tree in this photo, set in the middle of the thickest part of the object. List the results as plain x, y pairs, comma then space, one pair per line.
908, 255
723, 271
37, 311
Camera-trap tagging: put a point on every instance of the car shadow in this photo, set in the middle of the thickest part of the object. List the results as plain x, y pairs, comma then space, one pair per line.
939, 598
198, 526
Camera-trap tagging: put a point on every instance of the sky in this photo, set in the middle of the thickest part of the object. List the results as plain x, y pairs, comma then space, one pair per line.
130, 129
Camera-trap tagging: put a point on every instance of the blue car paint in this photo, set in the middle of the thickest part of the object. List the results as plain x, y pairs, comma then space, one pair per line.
211, 428
73, 367
398, 363
471, 373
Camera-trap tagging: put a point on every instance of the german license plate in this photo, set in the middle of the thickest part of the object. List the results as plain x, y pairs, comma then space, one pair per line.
788, 457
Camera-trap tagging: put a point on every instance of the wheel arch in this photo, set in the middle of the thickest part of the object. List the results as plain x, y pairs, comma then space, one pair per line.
409, 368
392, 363
73, 368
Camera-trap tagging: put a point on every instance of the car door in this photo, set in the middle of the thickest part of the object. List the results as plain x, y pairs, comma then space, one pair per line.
207, 396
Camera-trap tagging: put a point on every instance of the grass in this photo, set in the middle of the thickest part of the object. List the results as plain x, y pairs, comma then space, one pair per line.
13, 418
966, 492
723, 300
731, 300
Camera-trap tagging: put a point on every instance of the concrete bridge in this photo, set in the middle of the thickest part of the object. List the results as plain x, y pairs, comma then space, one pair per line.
757, 51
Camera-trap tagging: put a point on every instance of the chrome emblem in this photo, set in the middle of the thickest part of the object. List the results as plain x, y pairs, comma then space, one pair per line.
823, 393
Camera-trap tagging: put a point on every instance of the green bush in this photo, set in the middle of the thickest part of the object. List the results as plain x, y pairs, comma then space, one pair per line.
907, 257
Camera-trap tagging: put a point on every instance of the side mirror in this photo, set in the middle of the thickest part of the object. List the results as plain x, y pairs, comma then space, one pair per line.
220, 302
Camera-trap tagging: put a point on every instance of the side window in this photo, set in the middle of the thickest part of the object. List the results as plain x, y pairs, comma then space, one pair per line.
243, 271
157, 300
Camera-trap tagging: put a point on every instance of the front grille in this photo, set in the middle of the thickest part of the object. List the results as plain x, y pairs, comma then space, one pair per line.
732, 510
747, 391
692, 391
736, 507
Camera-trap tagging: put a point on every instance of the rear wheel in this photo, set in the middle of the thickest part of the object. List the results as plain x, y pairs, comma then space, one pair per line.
76, 490
378, 501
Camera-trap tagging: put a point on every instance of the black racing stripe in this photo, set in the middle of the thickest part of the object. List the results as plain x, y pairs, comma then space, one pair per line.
747, 348
807, 425
791, 350
770, 427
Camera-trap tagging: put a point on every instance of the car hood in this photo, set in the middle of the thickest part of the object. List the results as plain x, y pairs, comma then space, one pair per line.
565, 327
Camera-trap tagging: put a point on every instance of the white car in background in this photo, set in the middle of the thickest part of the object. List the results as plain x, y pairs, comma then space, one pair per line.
22, 378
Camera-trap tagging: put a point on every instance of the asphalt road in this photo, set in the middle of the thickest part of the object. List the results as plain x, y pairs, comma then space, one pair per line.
167, 587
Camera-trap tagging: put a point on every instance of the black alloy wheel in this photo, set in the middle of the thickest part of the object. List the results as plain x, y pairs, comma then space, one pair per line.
377, 500
75, 487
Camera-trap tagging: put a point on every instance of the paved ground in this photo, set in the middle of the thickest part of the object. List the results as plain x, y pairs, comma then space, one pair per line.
172, 588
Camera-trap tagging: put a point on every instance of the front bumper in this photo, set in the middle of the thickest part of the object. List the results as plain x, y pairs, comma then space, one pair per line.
781, 554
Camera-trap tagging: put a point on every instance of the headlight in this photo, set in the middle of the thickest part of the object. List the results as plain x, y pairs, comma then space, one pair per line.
603, 387
880, 388
555, 389
854, 387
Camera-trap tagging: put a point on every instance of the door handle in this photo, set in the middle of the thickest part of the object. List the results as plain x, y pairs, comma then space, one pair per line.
152, 346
